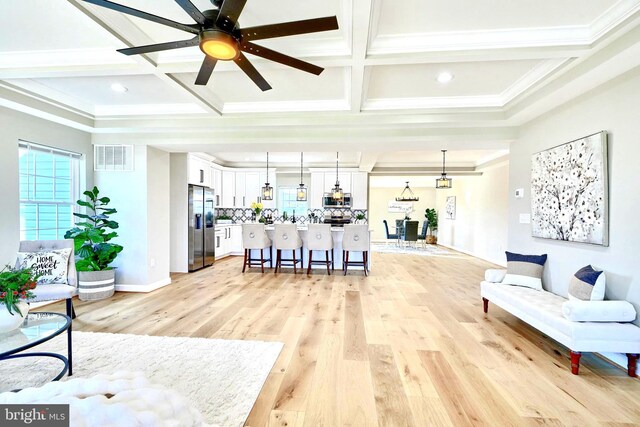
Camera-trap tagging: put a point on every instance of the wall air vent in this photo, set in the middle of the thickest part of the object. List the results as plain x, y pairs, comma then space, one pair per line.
118, 158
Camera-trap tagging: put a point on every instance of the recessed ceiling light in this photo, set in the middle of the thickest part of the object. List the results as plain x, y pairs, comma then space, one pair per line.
445, 77
117, 87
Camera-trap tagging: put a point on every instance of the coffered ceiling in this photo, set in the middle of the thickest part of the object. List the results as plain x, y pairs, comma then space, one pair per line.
510, 61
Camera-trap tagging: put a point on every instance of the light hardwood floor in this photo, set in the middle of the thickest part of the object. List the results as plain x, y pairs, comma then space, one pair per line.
407, 346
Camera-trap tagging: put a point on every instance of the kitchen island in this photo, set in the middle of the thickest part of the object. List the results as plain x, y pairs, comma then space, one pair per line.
336, 232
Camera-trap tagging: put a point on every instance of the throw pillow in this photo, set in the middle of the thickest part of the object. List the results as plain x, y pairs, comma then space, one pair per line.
598, 311
524, 270
587, 284
51, 266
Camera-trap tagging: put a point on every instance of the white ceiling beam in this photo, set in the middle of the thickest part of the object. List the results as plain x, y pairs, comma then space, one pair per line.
368, 160
359, 41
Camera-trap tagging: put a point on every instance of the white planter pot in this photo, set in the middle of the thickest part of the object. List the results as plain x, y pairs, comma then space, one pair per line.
9, 322
96, 285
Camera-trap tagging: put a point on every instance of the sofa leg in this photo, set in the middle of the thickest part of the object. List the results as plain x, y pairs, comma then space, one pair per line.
575, 362
485, 304
632, 361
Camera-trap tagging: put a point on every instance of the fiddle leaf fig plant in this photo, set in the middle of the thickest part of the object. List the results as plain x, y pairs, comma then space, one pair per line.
93, 233
432, 219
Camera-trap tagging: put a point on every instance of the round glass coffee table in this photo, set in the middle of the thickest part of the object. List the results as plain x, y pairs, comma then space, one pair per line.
37, 328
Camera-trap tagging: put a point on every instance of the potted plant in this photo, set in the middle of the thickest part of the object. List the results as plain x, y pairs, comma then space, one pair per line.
15, 290
224, 219
360, 217
432, 219
94, 252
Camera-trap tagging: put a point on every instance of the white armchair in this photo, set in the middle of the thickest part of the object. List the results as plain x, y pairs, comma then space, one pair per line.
53, 292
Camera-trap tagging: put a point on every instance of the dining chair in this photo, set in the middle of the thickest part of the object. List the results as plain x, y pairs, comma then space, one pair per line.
410, 231
386, 230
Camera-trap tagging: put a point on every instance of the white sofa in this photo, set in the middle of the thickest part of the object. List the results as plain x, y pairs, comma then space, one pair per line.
543, 311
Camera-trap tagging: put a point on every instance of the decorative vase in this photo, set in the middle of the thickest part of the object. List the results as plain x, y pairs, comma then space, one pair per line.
10, 322
96, 285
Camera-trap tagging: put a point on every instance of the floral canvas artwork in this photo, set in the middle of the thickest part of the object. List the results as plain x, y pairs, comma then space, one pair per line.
450, 207
569, 191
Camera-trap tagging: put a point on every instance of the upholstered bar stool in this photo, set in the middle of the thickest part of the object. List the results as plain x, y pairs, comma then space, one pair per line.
254, 237
319, 239
356, 239
286, 237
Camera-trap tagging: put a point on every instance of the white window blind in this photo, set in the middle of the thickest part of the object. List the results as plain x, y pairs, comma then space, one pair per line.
49, 188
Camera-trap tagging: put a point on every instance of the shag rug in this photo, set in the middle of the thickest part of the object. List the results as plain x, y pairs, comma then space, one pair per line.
221, 377
422, 250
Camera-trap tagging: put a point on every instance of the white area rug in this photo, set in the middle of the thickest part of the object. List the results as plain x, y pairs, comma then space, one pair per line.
428, 250
221, 377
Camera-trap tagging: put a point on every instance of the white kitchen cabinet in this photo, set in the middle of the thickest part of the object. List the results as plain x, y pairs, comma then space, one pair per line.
316, 190
228, 240
235, 240
359, 190
199, 171
216, 184
240, 198
228, 188
252, 188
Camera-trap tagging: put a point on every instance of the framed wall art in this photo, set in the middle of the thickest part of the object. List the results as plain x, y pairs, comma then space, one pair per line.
450, 207
569, 191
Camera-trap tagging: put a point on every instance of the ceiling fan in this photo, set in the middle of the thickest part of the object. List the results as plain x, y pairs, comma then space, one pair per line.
220, 38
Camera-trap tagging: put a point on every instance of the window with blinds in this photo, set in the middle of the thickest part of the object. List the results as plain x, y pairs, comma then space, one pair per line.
49, 188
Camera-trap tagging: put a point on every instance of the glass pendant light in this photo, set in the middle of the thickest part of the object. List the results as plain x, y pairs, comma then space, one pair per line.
443, 181
267, 190
407, 195
336, 193
301, 194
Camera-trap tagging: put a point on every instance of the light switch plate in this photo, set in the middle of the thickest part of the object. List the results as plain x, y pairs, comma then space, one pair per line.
519, 193
525, 218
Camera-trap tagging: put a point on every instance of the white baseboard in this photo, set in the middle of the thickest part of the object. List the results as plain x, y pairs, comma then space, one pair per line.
144, 288
493, 261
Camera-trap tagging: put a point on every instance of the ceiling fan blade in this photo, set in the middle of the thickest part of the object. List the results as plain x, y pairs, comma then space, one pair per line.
251, 71
193, 11
229, 14
272, 55
160, 46
144, 15
289, 28
206, 69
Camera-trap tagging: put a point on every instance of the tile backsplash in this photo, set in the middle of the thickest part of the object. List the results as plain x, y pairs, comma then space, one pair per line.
239, 215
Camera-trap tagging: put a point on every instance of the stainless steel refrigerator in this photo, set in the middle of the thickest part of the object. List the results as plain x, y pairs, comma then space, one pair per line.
201, 227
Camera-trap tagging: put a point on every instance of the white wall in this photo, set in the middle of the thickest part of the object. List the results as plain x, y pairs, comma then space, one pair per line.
127, 191
614, 108
379, 198
179, 228
158, 215
480, 226
13, 127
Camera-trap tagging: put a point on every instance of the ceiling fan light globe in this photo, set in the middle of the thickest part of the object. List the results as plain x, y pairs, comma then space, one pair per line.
219, 45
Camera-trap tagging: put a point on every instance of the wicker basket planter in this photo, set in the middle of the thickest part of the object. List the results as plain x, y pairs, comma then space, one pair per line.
431, 239
96, 285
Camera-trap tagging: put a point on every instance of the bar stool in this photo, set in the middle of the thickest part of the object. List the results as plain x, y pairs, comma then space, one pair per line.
319, 239
255, 237
286, 237
356, 239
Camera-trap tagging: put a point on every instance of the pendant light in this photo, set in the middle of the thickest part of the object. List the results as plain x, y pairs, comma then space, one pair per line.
407, 195
267, 190
443, 181
301, 194
336, 193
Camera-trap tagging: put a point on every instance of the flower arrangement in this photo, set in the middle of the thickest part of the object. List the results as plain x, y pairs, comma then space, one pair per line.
16, 285
257, 208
